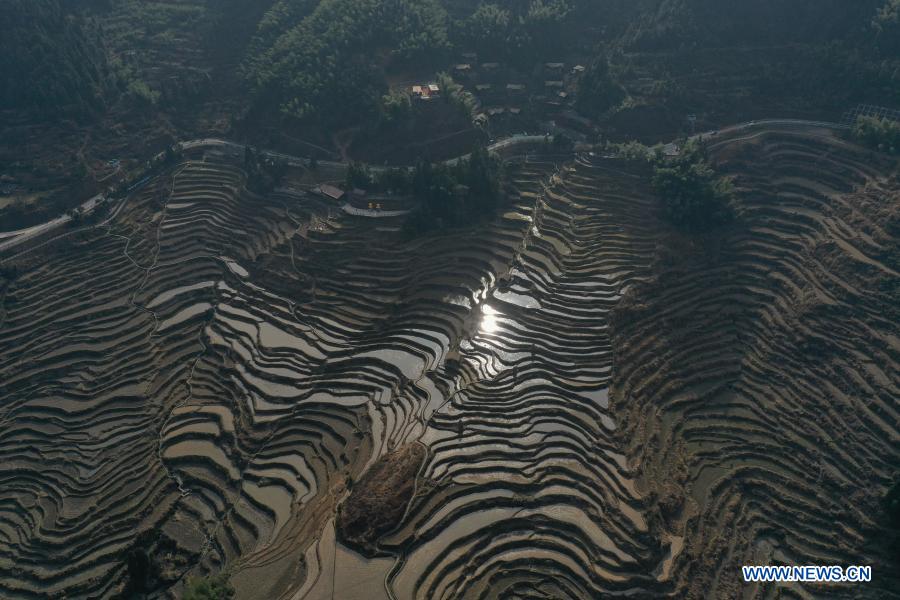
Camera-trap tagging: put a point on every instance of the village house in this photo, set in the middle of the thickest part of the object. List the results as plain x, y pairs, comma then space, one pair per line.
515, 88
426, 92
490, 67
554, 67
330, 192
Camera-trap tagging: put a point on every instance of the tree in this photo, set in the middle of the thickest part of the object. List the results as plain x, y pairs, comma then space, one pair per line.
481, 174
321, 64
694, 198
881, 134
395, 106
51, 64
455, 196
358, 176
598, 91
887, 26
209, 588
545, 22
488, 27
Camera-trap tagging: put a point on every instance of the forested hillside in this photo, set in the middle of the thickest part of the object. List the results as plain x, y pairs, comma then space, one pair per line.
326, 63
724, 61
293, 72
325, 58
666, 24
49, 60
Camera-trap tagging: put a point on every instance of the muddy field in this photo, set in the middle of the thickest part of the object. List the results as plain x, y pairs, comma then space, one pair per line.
568, 402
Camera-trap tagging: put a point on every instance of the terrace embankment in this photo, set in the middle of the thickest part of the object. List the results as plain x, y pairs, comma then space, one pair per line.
525, 492
528, 409
756, 374
208, 372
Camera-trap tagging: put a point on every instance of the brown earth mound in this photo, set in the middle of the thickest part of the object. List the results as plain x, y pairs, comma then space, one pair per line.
377, 503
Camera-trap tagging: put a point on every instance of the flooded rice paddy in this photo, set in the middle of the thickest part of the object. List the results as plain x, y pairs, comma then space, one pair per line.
213, 374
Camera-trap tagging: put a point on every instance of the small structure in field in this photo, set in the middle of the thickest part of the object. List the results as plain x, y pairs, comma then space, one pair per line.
554, 67
330, 192
426, 91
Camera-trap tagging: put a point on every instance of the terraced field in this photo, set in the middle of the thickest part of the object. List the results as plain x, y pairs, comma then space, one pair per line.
527, 410
766, 420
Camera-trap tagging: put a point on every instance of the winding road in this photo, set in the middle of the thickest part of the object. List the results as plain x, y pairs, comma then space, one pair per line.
12, 239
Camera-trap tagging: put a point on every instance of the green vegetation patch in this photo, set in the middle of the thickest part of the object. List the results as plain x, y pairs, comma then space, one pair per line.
209, 588
325, 65
882, 134
50, 62
694, 197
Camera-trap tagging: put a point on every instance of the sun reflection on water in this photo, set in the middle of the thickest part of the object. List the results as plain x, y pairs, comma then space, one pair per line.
489, 322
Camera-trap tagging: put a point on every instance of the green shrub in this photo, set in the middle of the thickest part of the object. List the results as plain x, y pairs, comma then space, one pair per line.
694, 197
882, 134
209, 588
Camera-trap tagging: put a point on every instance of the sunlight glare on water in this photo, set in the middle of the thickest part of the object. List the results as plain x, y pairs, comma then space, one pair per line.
489, 322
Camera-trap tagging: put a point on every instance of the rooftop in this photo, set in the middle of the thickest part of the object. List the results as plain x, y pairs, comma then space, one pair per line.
329, 191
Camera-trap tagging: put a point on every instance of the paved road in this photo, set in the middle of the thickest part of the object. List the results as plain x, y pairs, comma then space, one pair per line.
14, 238
11, 239
295, 161
671, 149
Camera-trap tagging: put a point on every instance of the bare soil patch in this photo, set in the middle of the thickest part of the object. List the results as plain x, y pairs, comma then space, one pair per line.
377, 503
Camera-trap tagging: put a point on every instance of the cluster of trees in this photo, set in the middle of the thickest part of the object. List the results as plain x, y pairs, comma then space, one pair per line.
215, 587
840, 52
454, 94
324, 66
516, 31
51, 62
457, 195
448, 195
882, 134
669, 24
396, 107
263, 174
886, 25
694, 197
598, 90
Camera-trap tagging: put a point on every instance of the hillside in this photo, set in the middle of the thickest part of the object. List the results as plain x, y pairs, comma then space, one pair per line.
757, 368
448, 299
604, 404
52, 65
